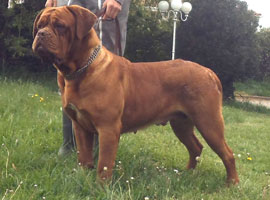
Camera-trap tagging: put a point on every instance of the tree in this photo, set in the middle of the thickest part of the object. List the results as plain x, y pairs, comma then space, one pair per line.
149, 38
222, 36
16, 33
264, 52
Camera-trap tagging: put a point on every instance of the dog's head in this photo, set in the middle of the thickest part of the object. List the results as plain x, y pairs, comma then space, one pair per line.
56, 31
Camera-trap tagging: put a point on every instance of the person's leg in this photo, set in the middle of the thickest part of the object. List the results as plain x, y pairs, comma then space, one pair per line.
123, 20
68, 138
68, 145
109, 29
108, 40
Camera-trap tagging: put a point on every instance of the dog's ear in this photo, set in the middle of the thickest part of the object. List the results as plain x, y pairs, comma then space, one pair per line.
85, 20
35, 29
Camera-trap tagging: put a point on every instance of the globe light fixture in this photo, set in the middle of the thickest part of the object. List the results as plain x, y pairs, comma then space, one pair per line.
163, 6
176, 5
178, 10
186, 8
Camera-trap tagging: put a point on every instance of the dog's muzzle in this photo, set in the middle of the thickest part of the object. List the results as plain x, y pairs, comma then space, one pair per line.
40, 46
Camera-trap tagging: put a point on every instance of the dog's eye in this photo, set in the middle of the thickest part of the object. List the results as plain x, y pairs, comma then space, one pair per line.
39, 26
60, 26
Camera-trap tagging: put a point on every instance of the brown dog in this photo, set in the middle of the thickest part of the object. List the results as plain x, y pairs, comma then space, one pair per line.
108, 95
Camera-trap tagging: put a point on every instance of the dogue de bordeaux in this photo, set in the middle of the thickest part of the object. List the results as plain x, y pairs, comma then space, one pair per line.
108, 95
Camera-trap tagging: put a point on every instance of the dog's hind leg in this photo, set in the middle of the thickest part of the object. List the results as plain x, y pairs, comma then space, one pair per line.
210, 124
183, 128
84, 141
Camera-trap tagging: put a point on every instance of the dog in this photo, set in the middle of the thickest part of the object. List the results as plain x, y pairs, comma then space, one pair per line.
108, 95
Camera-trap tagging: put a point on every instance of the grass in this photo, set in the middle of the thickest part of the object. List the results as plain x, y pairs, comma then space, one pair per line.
149, 164
253, 87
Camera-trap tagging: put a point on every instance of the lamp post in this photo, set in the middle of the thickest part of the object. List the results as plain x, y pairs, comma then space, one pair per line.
177, 9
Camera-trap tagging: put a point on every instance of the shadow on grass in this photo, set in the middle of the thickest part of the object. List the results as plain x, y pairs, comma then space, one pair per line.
247, 106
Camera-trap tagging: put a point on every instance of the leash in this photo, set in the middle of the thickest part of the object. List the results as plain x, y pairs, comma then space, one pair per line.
100, 13
117, 46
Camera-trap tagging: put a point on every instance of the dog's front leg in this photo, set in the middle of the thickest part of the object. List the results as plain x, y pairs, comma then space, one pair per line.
108, 144
84, 141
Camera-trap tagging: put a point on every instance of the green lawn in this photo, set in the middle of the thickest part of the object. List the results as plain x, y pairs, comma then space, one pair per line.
150, 163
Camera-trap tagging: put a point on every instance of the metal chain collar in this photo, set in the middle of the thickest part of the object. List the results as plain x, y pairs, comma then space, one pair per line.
91, 59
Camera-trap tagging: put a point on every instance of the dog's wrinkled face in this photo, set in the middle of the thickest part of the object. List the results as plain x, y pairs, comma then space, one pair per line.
57, 28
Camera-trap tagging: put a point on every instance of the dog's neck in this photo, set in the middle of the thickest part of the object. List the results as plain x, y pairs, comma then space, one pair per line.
71, 70
82, 69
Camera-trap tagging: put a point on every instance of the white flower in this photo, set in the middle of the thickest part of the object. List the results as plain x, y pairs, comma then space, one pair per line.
105, 168
132, 178
146, 198
198, 158
239, 155
175, 170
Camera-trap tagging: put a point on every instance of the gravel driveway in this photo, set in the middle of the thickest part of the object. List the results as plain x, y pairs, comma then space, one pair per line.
257, 100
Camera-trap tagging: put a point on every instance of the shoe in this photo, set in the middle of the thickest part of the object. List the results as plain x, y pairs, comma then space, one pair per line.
65, 151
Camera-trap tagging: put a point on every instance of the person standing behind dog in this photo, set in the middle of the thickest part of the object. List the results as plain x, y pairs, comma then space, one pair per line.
106, 30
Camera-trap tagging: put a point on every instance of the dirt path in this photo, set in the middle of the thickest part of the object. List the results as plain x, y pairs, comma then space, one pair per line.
257, 100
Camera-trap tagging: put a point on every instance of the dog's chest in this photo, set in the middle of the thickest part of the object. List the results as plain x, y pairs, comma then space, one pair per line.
79, 116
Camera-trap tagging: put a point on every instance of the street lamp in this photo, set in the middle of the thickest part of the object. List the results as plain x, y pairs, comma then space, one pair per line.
177, 8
